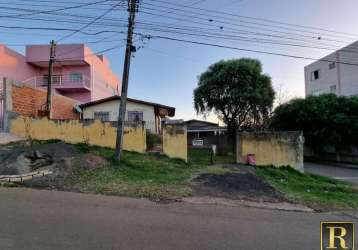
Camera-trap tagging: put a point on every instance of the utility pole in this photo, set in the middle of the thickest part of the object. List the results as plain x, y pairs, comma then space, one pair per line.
132, 8
50, 78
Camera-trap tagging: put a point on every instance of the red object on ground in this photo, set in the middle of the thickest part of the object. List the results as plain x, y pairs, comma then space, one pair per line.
250, 160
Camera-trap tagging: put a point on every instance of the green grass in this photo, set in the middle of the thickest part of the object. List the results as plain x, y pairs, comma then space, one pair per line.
138, 175
142, 175
202, 156
318, 192
161, 178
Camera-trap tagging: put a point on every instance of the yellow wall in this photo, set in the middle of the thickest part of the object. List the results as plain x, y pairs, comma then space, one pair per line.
74, 131
175, 141
272, 148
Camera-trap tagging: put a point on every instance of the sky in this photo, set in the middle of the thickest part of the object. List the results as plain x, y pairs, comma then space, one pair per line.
167, 72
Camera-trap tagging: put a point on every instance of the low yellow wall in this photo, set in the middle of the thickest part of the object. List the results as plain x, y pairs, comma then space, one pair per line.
272, 148
74, 131
175, 142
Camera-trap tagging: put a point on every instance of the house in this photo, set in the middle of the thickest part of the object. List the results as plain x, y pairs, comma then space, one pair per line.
205, 134
137, 110
78, 73
336, 73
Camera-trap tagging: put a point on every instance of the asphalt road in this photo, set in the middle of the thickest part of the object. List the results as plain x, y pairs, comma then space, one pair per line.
34, 219
340, 173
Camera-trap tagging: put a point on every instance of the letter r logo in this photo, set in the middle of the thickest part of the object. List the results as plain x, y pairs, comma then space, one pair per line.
337, 236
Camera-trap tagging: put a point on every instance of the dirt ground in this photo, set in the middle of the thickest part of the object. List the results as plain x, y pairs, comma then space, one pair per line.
242, 184
60, 158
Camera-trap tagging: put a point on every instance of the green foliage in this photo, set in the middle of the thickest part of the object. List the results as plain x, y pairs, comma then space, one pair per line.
152, 140
318, 192
138, 175
202, 156
238, 91
325, 120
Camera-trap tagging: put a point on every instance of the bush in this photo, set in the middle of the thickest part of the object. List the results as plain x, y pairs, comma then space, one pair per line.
153, 139
326, 120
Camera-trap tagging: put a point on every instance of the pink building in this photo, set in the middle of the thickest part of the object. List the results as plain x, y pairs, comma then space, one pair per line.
78, 73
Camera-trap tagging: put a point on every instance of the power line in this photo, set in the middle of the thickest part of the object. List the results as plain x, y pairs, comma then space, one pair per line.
89, 24
221, 27
55, 10
247, 50
48, 5
255, 18
215, 19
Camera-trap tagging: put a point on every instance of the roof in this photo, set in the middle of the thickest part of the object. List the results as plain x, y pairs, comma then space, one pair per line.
171, 110
204, 122
202, 126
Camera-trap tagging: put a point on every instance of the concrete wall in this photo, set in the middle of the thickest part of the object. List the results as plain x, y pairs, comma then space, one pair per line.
175, 143
272, 148
113, 106
74, 131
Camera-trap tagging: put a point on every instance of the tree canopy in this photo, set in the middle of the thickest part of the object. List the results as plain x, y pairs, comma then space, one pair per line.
237, 91
325, 120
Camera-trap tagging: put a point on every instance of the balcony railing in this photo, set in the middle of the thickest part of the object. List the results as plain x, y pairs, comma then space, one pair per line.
60, 81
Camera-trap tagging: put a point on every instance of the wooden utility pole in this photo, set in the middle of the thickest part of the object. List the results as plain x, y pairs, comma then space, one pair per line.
50, 78
132, 8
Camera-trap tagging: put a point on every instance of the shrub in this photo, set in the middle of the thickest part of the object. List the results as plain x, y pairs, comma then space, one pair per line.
326, 120
153, 139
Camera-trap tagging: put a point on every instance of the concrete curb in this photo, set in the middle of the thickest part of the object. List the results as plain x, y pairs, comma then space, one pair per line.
24, 177
285, 206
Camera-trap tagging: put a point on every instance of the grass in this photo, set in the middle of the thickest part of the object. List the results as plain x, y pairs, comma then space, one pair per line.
143, 175
202, 156
160, 178
318, 192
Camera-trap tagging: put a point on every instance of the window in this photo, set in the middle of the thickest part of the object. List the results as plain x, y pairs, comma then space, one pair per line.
315, 75
76, 77
332, 65
56, 79
135, 116
103, 116
317, 92
333, 88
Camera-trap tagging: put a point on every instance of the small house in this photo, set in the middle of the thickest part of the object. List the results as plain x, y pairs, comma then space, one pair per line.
205, 134
136, 111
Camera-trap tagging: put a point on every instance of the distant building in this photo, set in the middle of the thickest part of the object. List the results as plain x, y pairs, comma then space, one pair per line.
334, 73
78, 72
204, 134
137, 111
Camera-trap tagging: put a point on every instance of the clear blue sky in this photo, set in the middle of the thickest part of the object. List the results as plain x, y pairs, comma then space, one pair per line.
166, 71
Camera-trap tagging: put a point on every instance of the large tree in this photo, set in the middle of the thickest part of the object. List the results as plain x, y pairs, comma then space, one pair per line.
237, 91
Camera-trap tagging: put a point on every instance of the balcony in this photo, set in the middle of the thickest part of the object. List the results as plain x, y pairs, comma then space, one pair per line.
63, 83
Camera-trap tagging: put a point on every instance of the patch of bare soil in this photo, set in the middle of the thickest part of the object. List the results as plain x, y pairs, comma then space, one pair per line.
237, 186
60, 158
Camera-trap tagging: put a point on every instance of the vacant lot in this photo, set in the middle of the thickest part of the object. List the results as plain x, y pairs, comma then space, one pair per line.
84, 168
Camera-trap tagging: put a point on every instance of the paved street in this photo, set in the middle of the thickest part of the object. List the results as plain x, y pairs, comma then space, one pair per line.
341, 173
33, 219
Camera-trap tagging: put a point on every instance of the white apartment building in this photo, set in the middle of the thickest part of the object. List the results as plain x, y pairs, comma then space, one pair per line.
336, 73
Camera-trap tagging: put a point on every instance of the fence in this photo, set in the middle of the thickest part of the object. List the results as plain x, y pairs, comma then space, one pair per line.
271, 148
74, 131
175, 143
